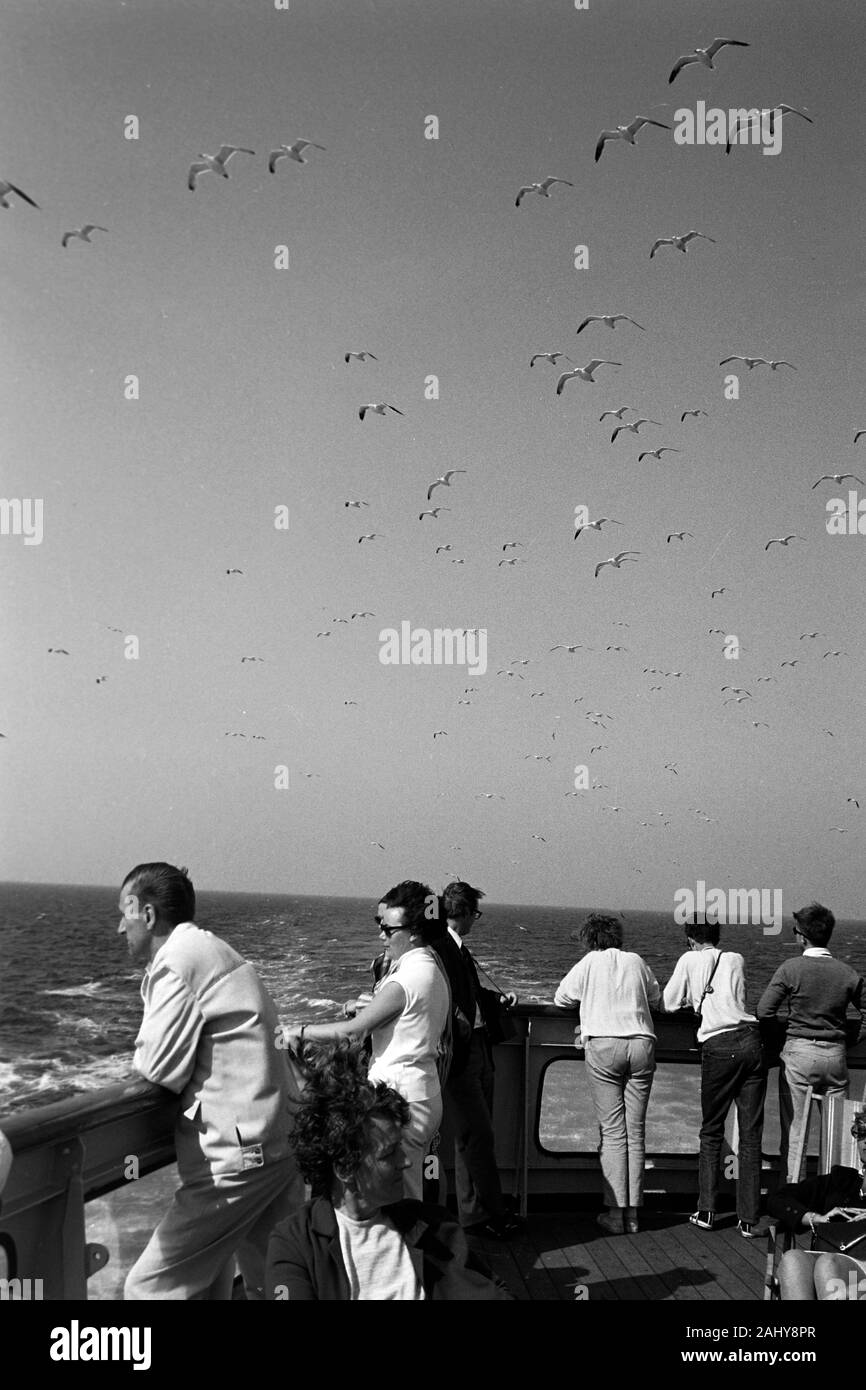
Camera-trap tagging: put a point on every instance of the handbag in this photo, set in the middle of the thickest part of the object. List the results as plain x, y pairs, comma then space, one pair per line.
841, 1237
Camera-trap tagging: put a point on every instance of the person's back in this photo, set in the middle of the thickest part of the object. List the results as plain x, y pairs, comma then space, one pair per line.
615, 989
818, 990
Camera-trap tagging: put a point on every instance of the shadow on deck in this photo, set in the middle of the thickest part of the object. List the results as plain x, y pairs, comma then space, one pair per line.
566, 1256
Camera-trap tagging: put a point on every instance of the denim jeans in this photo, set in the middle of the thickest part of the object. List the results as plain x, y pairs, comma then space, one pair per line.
733, 1069
806, 1062
620, 1075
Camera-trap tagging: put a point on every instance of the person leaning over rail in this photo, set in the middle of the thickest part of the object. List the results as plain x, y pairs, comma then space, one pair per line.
615, 989
733, 1069
208, 1033
816, 990
358, 1240
837, 1196
405, 1021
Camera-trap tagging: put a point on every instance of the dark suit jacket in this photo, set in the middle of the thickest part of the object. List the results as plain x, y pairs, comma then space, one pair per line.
452, 960
305, 1262
838, 1188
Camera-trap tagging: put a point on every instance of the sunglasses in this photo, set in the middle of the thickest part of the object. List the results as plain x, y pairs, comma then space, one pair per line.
387, 931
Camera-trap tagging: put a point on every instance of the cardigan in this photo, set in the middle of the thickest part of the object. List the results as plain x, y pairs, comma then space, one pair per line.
305, 1262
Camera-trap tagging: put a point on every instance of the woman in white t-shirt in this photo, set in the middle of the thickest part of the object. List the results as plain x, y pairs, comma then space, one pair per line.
405, 1020
615, 989
358, 1239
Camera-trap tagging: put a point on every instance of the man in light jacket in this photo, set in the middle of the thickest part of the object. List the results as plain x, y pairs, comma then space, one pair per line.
209, 1033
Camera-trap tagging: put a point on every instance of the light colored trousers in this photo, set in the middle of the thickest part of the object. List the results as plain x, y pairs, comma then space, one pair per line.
191, 1254
805, 1063
620, 1076
424, 1117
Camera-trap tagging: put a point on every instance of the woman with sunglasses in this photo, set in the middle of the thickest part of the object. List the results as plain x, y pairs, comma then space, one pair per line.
837, 1196
405, 1020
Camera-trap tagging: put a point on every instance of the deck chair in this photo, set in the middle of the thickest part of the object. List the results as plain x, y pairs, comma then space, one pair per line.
836, 1145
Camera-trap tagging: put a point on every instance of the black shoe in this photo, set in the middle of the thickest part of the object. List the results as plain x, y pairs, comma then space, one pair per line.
496, 1228
704, 1219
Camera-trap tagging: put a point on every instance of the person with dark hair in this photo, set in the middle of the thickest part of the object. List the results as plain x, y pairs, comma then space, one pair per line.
615, 989
733, 1068
208, 1034
357, 1239
405, 1020
839, 1195
815, 990
468, 1097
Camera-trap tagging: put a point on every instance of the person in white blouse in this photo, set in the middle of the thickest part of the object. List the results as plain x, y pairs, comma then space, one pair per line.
405, 1020
615, 990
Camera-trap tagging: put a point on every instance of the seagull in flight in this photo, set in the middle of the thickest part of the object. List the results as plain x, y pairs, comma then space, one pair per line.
542, 189
518, 560
365, 614
696, 413
294, 152
718, 591
6, 188
657, 453
616, 560
736, 690
678, 534
804, 635
434, 512
440, 733
509, 545
837, 478
585, 373
444, 481
671, 767
551, 357
705, 55
373, 536
633, 425
611, 320
680, 242
790, 663
356, 504
58, 651
757, 361
857, 434
443, 547
782, 109
83, 233
617, 414
360, 356
597, 525
626, 132
564, 647
783, 540
489, 796
214, 163
251, 658
826, 654
378, 407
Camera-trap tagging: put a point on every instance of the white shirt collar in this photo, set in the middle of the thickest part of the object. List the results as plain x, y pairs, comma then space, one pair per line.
457, 937
816, 951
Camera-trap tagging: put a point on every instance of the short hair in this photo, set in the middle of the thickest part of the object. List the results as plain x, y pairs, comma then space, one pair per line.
858, 1124
600, 932
167, 889
461, 899
816, 923
333, 1132
699, 929
422, 907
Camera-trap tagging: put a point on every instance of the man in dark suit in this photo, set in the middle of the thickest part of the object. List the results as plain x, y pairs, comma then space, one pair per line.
468, 1094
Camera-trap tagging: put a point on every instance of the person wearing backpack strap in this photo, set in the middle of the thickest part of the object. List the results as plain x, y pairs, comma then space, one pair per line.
733, 1068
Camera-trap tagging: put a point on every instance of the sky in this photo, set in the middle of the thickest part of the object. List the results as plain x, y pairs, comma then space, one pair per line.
412, 248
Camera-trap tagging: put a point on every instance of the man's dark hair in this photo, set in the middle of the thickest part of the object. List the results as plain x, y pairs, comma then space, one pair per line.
600, 932
422, 907
333, 1131
461, 899
167, 889
816, 923
699, 929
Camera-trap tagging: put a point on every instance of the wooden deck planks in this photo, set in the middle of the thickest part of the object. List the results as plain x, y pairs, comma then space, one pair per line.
664, 1262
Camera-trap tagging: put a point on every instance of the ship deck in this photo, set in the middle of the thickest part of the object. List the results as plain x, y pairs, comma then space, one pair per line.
566, 1256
